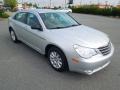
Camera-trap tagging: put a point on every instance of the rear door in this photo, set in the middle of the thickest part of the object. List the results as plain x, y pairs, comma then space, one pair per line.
20, 24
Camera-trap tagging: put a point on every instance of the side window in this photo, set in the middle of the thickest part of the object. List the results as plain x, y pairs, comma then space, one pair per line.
21, 17
32, 20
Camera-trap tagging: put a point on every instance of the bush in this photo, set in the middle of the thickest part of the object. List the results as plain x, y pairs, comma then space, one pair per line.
3, 14
116, 12
93, 9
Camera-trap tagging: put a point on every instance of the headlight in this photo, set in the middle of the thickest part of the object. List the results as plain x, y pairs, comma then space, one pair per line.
85, 52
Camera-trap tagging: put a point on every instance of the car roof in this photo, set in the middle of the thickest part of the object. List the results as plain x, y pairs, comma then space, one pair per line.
40, 10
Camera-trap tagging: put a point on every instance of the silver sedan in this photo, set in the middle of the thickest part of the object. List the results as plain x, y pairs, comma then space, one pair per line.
68, 44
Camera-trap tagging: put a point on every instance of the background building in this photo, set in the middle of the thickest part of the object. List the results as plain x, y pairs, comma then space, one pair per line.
118, 4
1, 3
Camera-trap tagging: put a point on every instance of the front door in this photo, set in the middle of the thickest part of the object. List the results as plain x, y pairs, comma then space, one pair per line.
34, 37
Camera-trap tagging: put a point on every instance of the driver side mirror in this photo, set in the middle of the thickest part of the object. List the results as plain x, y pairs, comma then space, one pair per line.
38, 27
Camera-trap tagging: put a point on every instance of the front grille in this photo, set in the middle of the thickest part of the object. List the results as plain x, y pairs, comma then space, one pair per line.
105, 50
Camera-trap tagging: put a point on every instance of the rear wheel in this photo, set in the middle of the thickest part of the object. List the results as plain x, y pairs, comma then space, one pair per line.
57, 59
13, 36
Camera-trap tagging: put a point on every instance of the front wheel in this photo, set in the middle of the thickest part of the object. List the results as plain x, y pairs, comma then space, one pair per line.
57, 59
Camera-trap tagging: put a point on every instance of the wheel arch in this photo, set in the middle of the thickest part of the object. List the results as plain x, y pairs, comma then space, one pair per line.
52, 45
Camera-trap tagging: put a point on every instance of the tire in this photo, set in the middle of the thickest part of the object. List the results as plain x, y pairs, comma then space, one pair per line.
57, 59
13, 36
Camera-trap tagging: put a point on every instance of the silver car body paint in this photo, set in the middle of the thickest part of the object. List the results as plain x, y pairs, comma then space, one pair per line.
65, 38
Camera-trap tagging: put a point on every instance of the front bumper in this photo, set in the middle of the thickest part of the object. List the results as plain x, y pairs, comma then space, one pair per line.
92, 65
90, 72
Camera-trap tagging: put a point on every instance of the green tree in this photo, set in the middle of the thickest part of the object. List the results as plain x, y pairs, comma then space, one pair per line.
11, 3
30, 4
35, 5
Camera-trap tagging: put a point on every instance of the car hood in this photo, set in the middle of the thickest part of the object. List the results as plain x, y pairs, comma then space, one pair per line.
81, 35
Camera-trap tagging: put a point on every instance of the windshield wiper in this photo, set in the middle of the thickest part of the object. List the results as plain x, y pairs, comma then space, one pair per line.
65, 27
57, 28
73, 25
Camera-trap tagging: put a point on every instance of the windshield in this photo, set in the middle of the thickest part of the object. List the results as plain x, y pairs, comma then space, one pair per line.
58, 20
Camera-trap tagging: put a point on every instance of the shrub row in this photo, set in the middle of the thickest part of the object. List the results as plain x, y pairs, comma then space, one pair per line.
92, 9
3, 14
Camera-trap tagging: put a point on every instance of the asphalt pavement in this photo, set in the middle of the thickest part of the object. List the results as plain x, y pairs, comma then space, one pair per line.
22, 68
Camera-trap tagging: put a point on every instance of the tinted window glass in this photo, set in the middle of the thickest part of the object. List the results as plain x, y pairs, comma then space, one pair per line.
32, 20
21, 17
